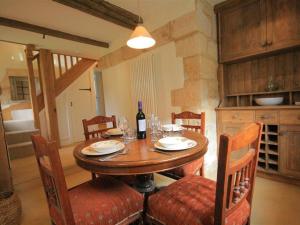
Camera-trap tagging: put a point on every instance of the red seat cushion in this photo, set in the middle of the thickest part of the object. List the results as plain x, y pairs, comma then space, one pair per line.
188, 169
104, 201
191, 201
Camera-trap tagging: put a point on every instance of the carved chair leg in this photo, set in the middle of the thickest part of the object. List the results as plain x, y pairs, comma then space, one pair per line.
201, 171
248, 222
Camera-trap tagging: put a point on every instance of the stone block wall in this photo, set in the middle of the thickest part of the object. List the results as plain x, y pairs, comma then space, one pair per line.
195, 38
200, 90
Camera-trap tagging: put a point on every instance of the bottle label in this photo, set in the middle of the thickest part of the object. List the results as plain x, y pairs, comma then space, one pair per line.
142, 125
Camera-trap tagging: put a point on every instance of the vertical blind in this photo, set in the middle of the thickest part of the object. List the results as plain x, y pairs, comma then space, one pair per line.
143, 77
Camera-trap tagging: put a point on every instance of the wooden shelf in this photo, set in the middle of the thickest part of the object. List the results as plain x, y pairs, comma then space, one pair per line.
261, 160
262, 151
270, 152
272, 143
255, 107
262, 93
270, 161
268, 156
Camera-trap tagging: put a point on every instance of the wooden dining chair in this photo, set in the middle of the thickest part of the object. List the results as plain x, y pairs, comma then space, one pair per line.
97, 121
198, 165
100, 201
196, 200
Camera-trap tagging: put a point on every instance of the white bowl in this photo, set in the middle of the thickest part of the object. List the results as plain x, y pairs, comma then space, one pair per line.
269, 101
169, 142
167, 127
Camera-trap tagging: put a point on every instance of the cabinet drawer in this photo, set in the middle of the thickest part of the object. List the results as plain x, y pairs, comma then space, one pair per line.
289, 117
238, 116
266, 116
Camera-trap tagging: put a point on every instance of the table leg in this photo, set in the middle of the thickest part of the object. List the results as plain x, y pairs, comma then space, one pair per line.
145, 184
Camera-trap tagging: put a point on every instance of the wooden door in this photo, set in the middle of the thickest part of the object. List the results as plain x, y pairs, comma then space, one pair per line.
81, 104
283, 24
242, 30
289, 143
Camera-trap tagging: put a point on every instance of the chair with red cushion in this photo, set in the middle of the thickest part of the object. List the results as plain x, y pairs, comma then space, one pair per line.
100, 201
96, 133
195, 200
198, 165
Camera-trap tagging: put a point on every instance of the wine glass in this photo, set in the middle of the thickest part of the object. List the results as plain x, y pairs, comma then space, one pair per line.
123, 124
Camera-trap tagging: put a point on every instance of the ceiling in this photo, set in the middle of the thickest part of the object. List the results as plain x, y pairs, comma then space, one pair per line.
50, 14
12, 56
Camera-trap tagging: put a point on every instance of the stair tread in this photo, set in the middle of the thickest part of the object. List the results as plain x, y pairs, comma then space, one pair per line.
22, 144
21, 131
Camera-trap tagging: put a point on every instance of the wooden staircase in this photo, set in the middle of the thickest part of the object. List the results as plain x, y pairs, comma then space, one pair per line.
65, 77
56, 72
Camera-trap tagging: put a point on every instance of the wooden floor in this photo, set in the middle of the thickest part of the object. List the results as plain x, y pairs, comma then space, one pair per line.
274, 203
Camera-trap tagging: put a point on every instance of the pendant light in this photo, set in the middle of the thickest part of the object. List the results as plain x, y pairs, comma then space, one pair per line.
140, 38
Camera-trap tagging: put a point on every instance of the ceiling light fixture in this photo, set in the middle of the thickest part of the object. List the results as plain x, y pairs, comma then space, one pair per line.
140, 38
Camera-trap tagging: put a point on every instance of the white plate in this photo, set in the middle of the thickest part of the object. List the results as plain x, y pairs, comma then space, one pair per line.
172, 127
188, 144
169, 142
114, 132
91, 151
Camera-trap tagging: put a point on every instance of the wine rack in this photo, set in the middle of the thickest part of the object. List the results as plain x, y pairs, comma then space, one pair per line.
268, 159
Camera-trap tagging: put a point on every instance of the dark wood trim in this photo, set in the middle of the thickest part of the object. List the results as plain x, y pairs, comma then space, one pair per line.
229, 4
105, 10
31, 78
47, 31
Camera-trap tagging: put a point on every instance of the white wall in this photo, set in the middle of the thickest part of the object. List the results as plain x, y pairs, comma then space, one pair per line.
74, 105
116, 83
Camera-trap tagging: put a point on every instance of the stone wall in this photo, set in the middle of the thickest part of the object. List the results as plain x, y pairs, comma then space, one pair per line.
200, 90
194, 35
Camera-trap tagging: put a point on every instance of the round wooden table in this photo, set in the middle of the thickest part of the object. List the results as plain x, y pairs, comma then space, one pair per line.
141, 158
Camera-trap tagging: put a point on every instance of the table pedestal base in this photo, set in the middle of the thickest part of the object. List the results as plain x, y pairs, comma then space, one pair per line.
145, 184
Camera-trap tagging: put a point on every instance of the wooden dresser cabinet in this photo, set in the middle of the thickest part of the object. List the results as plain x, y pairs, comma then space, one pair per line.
251, 27
259, 56
280, 147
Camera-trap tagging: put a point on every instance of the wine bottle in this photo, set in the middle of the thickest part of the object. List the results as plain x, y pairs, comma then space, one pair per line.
140, 122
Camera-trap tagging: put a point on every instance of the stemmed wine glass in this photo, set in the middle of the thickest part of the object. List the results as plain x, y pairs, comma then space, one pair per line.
123, 125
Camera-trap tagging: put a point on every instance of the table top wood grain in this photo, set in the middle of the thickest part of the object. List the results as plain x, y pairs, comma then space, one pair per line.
140, 158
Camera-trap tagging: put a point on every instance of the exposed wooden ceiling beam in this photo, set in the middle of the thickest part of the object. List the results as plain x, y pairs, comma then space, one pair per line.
50, 32
105, 10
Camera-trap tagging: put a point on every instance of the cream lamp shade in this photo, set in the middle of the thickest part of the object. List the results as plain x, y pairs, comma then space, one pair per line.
140, 38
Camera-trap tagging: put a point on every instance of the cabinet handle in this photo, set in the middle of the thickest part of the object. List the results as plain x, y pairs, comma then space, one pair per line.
265, 117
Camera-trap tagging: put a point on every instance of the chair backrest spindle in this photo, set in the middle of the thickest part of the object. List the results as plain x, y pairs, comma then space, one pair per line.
191, 116
235, 180
97, 120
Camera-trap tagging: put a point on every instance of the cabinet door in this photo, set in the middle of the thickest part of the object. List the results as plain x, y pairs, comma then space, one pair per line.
242, 30
290, 150
283, 23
